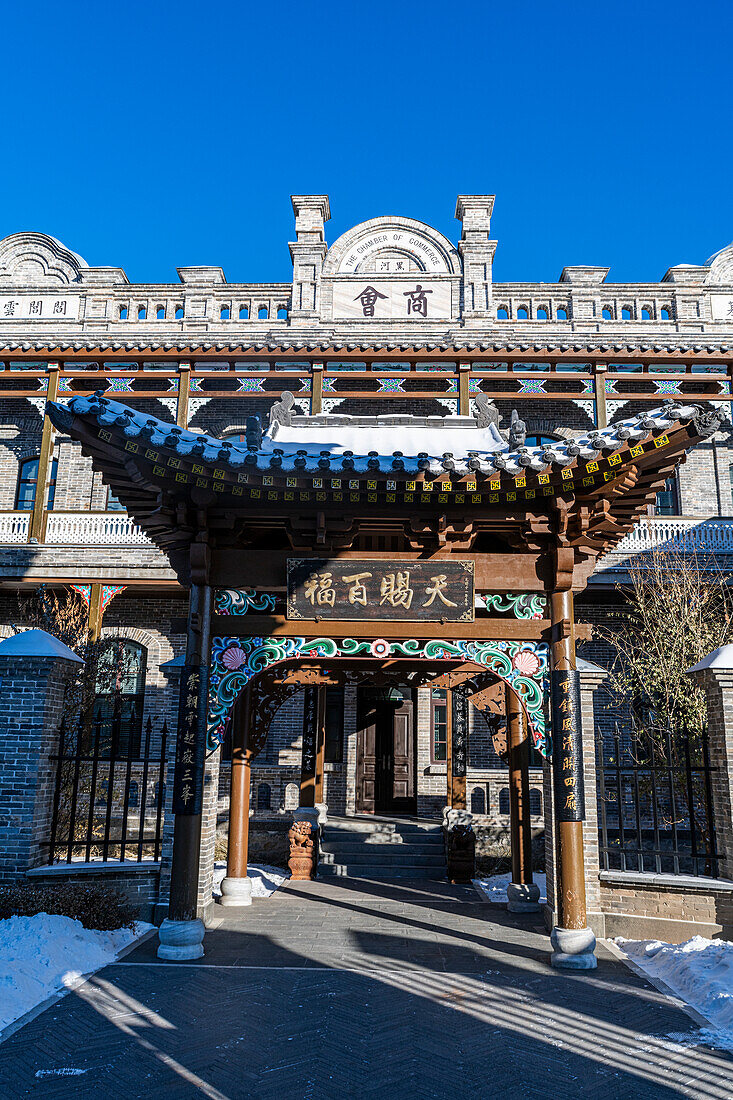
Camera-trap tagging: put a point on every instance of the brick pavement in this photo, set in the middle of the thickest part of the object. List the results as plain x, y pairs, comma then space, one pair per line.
368, 990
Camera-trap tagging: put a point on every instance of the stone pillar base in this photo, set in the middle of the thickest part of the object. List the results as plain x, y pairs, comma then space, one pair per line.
573, 948
235, 892
181, 940
523, 898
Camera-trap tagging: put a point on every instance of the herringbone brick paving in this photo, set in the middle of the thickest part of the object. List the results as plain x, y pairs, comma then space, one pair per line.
370, 990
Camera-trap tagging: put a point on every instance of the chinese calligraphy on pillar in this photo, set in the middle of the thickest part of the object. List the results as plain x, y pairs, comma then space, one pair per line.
310, 732
459, 739
412, 591
191, 741
567, 746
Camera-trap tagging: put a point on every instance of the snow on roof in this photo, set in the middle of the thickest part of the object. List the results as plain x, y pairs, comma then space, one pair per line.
404, 444
37, 643
430, 435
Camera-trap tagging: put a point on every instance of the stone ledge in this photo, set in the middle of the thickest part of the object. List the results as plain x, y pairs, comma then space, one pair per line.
680, 882
109, 868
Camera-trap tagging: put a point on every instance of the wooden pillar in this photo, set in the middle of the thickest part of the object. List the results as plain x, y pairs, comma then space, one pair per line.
95, 612
599, 383
37, 526
457, 747
320, 745
181, 934
464, 389
184, 389
572, 940
519, 817
316, 388
309, 747
236, 888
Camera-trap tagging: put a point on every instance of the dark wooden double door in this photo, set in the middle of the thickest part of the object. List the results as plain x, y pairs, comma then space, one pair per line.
385, 752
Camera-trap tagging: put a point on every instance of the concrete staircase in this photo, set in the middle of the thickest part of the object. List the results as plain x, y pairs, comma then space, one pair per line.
381, 849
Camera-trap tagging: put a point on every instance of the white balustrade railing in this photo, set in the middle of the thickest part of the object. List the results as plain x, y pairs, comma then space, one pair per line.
94, 529
14, 526
681, 533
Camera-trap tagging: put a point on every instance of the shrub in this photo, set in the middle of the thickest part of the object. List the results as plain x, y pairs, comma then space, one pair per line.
100, 907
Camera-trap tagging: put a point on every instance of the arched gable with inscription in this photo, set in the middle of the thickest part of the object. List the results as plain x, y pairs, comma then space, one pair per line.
391, 269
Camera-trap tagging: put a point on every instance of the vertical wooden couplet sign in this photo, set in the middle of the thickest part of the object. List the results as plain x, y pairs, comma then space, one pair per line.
191, 741
459, 748
567, 746
310, 746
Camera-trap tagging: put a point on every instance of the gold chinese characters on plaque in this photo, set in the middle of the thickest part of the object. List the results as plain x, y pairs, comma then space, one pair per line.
405, 591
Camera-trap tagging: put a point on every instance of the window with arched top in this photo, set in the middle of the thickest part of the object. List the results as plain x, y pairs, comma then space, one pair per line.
224, 313
504, 800
561, 313
282, 314
626, 313
160, 313
607, 313
25, 493
263, 313
113, 504
478, 801
646, 314
119, 697
502, 313
522, 314
264, 796
542, 314
535, 802
123, 313
539, 440
142, 313
243, 313
179, 313
665, 314
133, 798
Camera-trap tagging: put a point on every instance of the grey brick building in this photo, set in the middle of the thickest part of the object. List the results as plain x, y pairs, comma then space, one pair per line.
391, 318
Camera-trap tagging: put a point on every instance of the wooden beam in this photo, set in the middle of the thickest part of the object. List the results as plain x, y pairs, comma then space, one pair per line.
184, 387
464, 390
316, 388
37, 526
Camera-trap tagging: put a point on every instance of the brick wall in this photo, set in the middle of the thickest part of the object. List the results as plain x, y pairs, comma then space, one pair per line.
671, 910
140, 884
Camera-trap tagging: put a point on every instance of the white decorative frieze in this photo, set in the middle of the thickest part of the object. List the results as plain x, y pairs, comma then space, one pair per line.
394, 242
722, 307
382, 299
39, 307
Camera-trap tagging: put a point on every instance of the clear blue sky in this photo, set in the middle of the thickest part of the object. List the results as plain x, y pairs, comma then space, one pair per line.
152, 135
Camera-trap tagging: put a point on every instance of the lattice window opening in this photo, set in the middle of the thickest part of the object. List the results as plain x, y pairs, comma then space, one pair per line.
107, 807
655, 802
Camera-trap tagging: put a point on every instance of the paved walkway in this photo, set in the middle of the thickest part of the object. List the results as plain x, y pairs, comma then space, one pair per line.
365, 990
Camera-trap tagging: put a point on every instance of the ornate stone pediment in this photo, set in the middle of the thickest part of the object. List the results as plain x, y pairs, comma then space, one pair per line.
35, 259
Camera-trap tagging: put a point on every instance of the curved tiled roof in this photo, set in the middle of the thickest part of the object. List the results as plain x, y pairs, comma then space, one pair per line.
480, 455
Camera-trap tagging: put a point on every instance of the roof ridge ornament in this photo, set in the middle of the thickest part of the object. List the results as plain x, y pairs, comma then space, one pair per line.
282, 411
486, 412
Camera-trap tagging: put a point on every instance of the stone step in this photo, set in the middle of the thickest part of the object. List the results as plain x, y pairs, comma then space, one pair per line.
383, 859
331, 844
379, 872
359, 825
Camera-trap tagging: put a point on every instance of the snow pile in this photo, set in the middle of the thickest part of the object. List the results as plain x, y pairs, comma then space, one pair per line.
699, 971
495, 886
265, 879
44, 954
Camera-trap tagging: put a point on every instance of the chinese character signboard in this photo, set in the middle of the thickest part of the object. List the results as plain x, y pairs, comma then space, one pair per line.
567, 747
38, 307
438, 591
191, 741
722, 306
459, 738
417, 299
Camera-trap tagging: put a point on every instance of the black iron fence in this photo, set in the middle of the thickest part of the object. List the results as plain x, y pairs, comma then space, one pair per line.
109, 794
655, 803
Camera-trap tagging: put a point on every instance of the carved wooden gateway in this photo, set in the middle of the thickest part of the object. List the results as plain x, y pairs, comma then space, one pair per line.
383, 551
